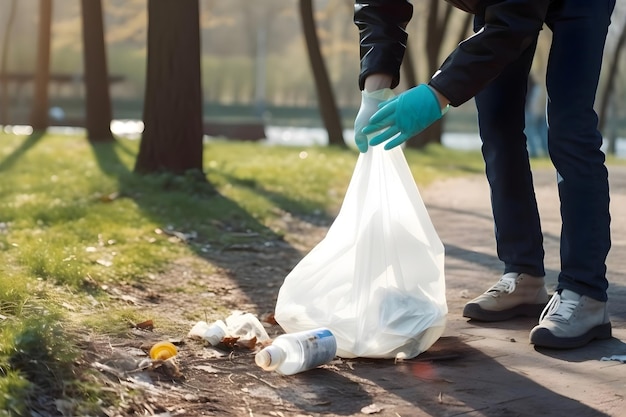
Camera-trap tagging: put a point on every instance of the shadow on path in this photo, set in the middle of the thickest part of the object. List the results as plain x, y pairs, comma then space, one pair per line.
453, 378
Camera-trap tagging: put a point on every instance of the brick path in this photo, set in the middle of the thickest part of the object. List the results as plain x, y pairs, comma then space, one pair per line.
503, 375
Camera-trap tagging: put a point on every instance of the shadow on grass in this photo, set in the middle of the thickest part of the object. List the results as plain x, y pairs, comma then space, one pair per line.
239, 243
28, 143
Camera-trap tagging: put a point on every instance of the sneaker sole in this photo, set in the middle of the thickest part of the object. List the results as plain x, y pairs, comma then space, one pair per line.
543, 338
475, 312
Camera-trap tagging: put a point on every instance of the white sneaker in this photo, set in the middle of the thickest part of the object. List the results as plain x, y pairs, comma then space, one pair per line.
570, 321
513, 295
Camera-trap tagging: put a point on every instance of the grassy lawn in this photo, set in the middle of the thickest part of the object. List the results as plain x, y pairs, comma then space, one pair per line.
74, 219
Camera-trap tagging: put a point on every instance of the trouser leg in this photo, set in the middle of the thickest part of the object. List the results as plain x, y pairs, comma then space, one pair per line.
501, 114
579, 31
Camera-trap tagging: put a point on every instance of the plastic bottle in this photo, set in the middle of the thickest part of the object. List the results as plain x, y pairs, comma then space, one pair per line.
213, 333
296, 352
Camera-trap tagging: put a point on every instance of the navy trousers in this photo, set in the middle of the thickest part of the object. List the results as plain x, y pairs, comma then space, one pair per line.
579, 29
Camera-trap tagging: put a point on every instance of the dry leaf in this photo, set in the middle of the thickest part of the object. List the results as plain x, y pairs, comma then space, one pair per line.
229, 341
169, 367
145, 325
269, 318
247, 344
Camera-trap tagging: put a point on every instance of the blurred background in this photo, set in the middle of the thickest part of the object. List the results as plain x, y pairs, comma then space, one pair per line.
255, 67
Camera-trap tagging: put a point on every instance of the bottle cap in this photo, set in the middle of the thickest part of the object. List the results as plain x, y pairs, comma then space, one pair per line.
270, 358
163, 351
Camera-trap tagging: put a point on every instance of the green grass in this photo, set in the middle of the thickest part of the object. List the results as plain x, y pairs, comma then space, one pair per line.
75, 218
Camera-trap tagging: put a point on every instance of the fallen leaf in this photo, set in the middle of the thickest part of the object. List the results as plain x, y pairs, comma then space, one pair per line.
145, 325
269, 318
229, 341
169, 367
247, 344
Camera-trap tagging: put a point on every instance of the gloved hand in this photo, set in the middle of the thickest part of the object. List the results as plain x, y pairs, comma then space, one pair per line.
404, 116
369, 106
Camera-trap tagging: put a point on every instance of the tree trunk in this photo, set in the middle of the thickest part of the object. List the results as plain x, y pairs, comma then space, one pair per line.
173, 129
609, 89
409, 72
4, 94
326, 99
436, 27
436, 31
39, 116
98, 112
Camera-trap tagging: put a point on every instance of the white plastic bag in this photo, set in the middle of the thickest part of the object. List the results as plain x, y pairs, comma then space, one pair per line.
377, 279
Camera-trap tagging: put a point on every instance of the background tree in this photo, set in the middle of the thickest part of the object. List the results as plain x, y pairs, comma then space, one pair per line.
4, 95
173, 128
39, 116
609, 93
326, 99
98, 113
437, 25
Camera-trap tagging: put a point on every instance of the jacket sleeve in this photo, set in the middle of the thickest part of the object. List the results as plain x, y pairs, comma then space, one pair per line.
510, 27
382, 36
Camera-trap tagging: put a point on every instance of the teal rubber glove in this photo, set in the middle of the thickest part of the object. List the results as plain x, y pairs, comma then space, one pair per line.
404, 116
369, 106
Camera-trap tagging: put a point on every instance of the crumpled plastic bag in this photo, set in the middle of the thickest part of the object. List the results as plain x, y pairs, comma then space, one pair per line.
377, 279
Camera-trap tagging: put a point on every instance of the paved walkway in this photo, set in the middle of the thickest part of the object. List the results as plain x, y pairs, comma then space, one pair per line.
503, 374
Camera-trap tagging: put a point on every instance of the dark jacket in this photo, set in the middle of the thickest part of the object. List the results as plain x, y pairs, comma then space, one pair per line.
510, 27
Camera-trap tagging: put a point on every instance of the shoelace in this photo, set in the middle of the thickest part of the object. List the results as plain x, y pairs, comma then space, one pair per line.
558, 309
505, 284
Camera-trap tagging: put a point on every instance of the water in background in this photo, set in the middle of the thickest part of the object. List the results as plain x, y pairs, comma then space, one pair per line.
296, 136
287, 136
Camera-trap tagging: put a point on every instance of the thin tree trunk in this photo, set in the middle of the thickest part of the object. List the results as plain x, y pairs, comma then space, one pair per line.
4, 94
39, 116
408, 68
609, 88
436, 27
465, 27
326, 99
98, 113
173, 129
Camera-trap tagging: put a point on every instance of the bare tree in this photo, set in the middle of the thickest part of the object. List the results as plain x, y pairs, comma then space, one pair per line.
4, 95
98, 113
326, 99
409, 71
609, 89
437, 23
39, 116
173, 129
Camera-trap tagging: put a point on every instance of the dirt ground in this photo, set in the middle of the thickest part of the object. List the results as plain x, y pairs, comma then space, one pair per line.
474, 370
224, 381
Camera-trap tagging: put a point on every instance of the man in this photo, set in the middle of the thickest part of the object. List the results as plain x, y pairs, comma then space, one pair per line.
493, 66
